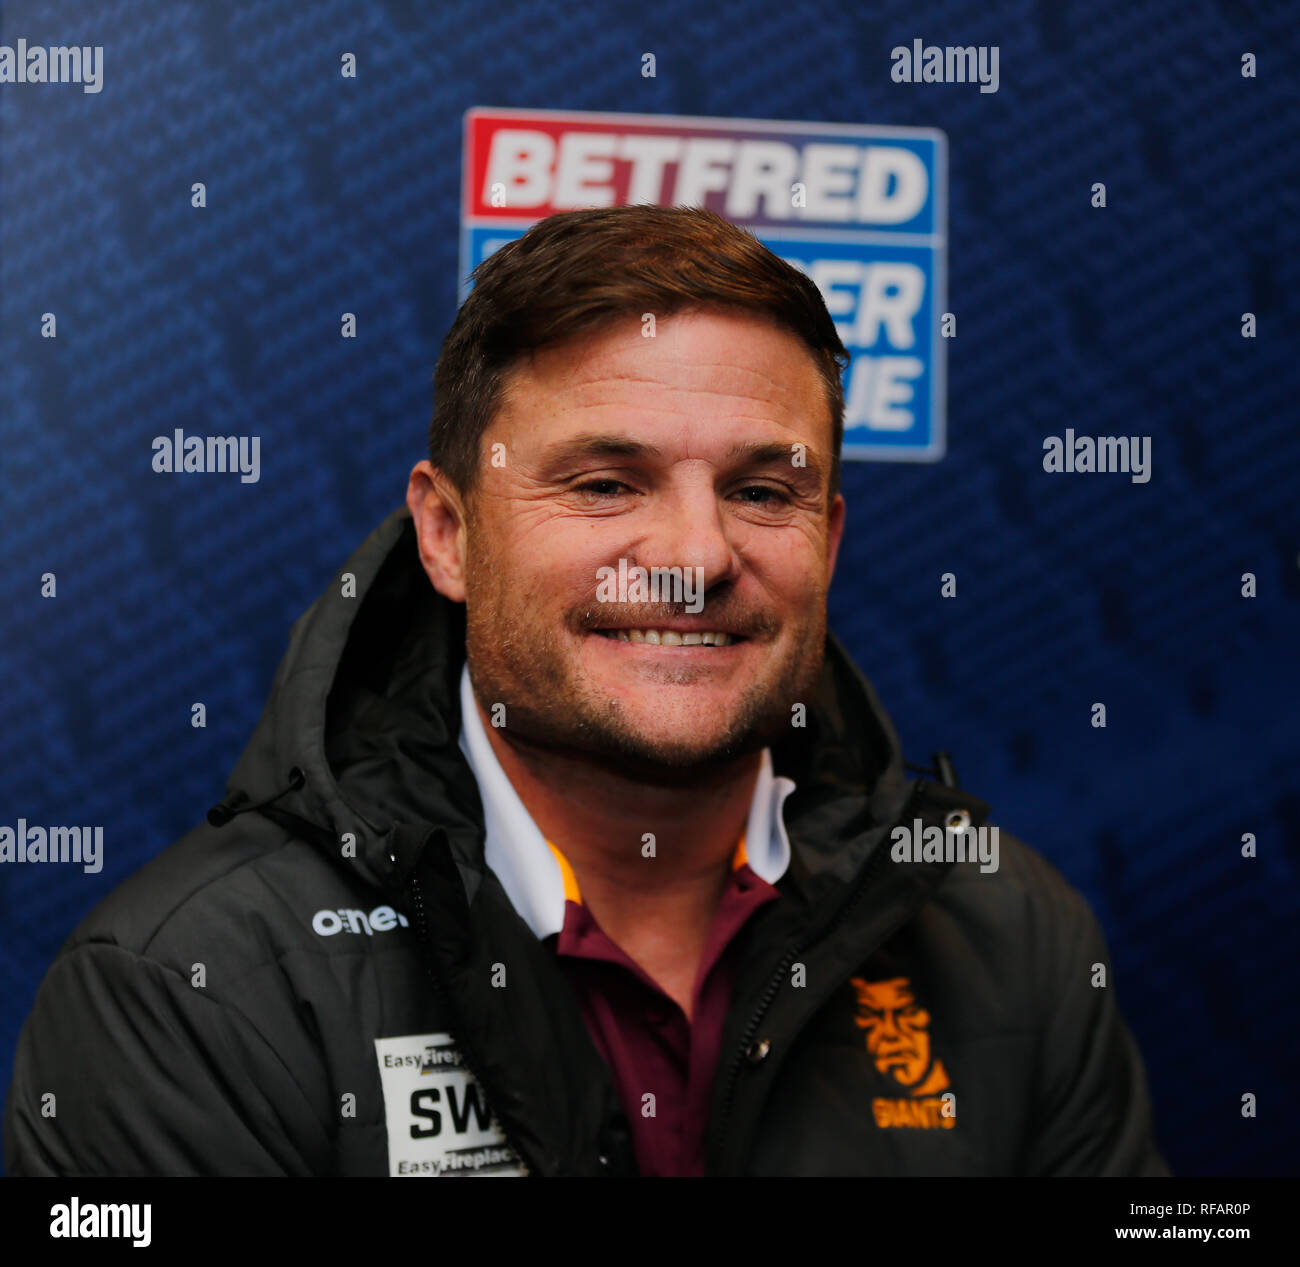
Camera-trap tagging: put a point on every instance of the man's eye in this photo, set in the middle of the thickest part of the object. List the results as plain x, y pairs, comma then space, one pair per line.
773, 495
604, 488
600, 488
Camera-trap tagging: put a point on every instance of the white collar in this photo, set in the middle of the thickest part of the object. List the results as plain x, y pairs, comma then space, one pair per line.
530, 873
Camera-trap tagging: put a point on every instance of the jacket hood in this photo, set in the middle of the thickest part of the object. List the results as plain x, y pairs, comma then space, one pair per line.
357, 744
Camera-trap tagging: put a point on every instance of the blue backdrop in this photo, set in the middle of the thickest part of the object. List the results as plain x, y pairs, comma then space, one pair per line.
328, 195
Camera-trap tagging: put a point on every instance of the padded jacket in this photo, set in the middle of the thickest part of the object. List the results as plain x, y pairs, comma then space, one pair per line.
303, 984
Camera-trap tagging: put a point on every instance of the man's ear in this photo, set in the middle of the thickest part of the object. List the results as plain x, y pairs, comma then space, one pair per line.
834, 534
440, 527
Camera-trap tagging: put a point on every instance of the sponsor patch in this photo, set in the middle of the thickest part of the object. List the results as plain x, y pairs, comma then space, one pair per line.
861, 209
439, 1122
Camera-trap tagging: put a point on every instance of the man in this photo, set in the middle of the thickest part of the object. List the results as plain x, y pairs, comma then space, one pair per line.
570, 842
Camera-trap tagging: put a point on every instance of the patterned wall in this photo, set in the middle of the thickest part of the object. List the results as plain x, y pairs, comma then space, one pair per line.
328, 195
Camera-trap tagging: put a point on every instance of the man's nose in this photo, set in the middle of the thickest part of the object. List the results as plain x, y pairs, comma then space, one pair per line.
692, 529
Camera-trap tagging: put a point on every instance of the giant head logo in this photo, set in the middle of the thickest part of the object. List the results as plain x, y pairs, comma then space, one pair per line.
897, 1034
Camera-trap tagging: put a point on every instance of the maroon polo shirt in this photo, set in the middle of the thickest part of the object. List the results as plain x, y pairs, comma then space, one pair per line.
649, 1045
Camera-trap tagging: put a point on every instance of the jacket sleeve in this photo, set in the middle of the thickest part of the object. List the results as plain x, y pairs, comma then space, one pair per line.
1091, 1112
125, 1068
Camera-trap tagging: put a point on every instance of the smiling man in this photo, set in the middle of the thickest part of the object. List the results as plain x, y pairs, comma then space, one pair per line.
628, 720
523, 874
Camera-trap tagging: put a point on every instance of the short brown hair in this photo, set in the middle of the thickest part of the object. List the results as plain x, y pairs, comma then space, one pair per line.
576, 270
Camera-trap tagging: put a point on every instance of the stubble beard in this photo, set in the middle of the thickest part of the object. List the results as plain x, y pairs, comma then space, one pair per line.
528, 668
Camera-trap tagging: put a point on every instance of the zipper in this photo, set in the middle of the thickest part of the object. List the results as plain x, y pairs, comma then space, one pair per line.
865, 876
471, 1053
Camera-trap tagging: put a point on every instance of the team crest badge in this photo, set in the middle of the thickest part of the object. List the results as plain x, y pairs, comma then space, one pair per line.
896, 1029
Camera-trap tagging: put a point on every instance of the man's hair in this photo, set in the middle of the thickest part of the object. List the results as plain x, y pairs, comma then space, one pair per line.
577, 271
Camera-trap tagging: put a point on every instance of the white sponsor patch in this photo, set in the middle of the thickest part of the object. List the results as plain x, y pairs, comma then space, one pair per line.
439, 1122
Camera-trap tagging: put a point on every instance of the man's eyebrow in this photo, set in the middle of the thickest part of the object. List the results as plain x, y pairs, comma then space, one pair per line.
597, 445
766, 453
609, 444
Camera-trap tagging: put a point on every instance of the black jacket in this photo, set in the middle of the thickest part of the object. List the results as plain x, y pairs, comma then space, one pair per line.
307, 989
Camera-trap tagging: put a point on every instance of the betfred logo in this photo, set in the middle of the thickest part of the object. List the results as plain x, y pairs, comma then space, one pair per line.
791, 181
860, 209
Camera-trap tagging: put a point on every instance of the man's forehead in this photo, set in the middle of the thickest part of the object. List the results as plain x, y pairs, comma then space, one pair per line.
695, 352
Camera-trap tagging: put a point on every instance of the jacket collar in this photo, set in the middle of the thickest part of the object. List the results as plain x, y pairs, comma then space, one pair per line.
531, 875
359, 736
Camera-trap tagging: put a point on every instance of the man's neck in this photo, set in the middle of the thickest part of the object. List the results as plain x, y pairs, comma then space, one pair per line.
659, 902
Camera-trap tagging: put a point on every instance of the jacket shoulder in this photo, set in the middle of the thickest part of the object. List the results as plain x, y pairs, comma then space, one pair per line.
188, 1024
1029, 893
231, 898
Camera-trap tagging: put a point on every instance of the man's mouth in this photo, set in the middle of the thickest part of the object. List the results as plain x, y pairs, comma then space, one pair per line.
673, 637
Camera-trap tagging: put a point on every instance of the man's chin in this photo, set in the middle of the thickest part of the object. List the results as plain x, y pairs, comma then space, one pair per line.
675, 768
654, 752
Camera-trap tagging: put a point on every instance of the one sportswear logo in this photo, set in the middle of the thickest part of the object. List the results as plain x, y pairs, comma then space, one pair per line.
897, 1035
327, 923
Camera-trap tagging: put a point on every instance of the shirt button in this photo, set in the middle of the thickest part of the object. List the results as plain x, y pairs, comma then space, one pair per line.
657, 1015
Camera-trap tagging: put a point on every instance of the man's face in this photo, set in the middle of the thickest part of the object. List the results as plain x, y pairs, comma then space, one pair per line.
622, 447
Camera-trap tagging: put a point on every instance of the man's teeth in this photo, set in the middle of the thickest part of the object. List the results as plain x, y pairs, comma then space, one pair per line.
668, 637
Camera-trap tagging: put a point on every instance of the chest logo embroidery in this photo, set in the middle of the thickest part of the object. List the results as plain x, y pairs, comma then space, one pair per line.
897, 1034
